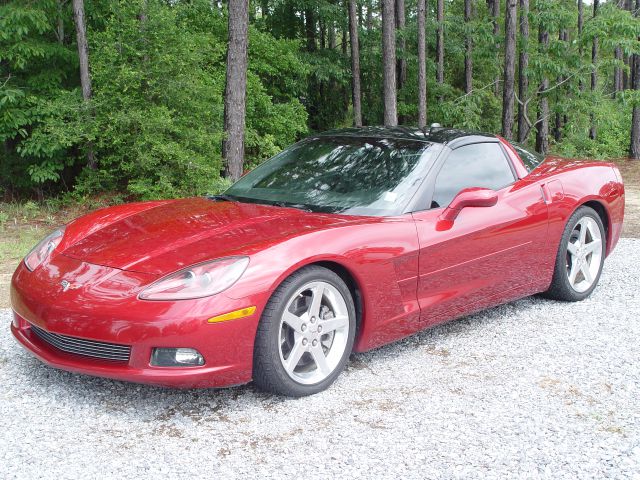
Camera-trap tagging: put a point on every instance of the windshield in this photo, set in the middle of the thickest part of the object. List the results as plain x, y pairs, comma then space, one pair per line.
349, 175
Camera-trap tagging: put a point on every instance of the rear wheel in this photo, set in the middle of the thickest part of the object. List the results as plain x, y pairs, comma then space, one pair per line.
305, 334
580, 257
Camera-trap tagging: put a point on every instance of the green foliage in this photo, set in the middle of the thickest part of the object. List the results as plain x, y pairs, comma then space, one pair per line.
155, 121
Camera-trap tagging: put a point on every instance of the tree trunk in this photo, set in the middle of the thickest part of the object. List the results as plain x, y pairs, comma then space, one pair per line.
83, 56
345, 33
440, 43
355, 64
594, 71
494, 11
83, 49
369, 24
236, 88
60, 22
563, 36
344, 47
580, 27
509, 68
310, 29
523, 67
618, 84
389, 63
634, 149
401, 62
542, 123
323, 36
468, 48
332, 35
620, 79
422, 65
626, 78
628, 59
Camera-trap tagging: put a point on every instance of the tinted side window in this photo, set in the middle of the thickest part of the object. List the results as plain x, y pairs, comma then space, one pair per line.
477, 165
531, 160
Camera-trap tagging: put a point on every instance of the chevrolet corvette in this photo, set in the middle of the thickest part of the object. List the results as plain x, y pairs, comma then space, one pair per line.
346, 241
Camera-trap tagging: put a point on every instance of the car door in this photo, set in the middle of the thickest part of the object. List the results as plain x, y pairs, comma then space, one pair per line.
487, 255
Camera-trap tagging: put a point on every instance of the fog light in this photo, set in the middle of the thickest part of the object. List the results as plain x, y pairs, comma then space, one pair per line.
176, 357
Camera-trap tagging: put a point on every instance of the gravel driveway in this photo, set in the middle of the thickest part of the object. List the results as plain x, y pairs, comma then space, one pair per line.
532, 389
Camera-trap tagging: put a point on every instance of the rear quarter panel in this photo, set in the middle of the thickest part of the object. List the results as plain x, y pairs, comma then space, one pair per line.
572, 183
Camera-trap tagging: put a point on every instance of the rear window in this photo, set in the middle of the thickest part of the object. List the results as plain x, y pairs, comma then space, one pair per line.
530, 159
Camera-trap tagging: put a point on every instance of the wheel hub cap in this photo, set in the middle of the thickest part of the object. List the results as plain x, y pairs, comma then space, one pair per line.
313, 332
584, 254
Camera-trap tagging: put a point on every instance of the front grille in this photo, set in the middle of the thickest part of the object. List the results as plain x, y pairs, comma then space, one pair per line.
80, 346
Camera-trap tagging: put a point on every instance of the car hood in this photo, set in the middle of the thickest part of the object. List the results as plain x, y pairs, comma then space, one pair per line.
163, 237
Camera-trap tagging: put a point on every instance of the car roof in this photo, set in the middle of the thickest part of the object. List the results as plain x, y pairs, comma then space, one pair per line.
442, 135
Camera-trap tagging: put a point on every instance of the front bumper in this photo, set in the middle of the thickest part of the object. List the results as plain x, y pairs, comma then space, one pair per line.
104, 307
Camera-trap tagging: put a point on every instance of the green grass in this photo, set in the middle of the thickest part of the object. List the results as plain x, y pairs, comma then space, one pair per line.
22, 225
15, 243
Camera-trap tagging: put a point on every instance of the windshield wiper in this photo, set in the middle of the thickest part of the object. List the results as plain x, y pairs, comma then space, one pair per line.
222, 196
297, 206
230, 198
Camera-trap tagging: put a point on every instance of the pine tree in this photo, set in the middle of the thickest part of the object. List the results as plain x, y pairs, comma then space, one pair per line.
509, 68
83, 56
440, 43
594, 71
422, 65
355, 64
542, 123
236, 88
523, 74
468, 47
634, 149
389, 63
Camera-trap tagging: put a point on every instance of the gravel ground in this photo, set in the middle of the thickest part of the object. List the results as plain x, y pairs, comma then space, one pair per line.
533, 389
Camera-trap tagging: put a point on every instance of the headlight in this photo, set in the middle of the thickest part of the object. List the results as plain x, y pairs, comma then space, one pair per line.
42, 250
201, 280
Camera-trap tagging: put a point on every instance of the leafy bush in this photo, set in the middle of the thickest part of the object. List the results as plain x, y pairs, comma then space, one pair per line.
155, 121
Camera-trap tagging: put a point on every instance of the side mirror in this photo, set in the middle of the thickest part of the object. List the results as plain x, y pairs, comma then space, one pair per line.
469, 197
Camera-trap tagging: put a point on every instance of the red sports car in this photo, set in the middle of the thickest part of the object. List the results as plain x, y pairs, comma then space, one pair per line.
343, 242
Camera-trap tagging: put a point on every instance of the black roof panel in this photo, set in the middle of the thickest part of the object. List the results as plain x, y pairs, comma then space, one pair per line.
434, 135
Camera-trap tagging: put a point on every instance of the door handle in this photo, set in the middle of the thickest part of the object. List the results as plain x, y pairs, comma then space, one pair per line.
546, 196
552, 191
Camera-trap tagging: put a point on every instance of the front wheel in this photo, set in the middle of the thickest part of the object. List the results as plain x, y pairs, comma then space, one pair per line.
305, 335
580, 257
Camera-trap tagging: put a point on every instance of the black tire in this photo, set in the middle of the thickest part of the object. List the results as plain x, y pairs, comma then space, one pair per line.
561, 288
268, 372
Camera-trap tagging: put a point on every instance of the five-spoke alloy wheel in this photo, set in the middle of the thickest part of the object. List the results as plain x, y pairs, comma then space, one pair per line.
580, 257
306, 333
313, 332
584, 254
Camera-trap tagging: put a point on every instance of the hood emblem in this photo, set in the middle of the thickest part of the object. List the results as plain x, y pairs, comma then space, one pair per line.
66, 285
